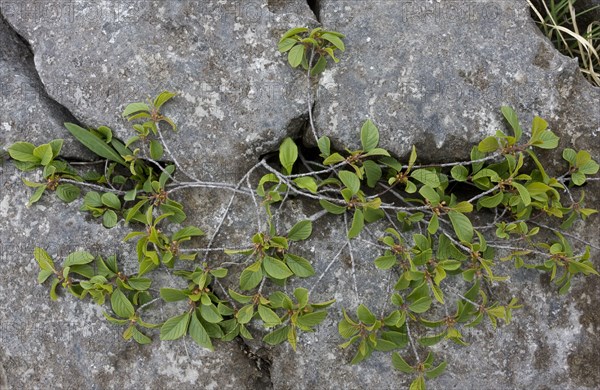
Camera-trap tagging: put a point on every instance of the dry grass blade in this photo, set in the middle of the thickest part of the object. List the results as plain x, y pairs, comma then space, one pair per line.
559, 22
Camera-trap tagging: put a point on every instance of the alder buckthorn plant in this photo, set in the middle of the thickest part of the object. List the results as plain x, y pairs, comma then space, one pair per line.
419, 217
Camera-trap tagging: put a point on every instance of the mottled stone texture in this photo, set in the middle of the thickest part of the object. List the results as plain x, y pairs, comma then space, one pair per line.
428, 73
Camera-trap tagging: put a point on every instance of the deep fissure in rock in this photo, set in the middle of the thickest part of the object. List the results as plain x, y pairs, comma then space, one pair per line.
315, 6
68, 115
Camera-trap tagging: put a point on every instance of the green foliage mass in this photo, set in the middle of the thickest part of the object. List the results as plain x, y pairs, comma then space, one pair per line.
428, 239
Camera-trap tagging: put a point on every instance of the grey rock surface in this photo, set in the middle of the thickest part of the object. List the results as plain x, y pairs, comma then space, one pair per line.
27, 112
429, 73
220, 56
435, 74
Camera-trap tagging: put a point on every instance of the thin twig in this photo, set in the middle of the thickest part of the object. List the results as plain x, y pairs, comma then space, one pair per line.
351, 256
94, 186
339, 252
166, 147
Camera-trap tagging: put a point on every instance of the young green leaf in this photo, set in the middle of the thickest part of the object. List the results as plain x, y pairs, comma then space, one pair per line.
175, 327
401, 365
95, 144
23, 151
162, 98
513, 121
67, 192
121, 305
77, 258
462, 226
300, 231
288, 154
299, 266
199, 334
350, 180
335, 40
358, 223
296, 55
369, 136
276, 268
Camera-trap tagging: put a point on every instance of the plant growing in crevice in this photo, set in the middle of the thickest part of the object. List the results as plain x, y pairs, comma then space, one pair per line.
415, 215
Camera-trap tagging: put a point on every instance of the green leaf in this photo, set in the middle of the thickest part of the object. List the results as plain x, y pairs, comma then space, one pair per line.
186, 232
319, 66
296, 55
210, 313
276, 268
278, 336
358, 223
121, 305
570, 155
156, 150
430, 194
435, 372
67, 192
162, 98
385, 262
578, 178
269, 317
199, 334
95, 144
427, 177
43, 259
250, 278
334, 159
172, 295
292, 32
462, 226
400, 364
312, 319
77, 258
365, 315
175, 327
421, 305
134, 108
92, 199
332, 208
575, 266
146, 266
434, 224
245, 314
37, 195
139, 337
23, 151
463, 207
489, 144
491, 201
286, 44
373, 172
459, 173
513, 121
307, 183
523, 193
335, 40
139, 284
111, 200
44, 153
109, 219
369, 136
288, 154
299, 266
350, 180
324, 146
239, 297
300, 231
418, 384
